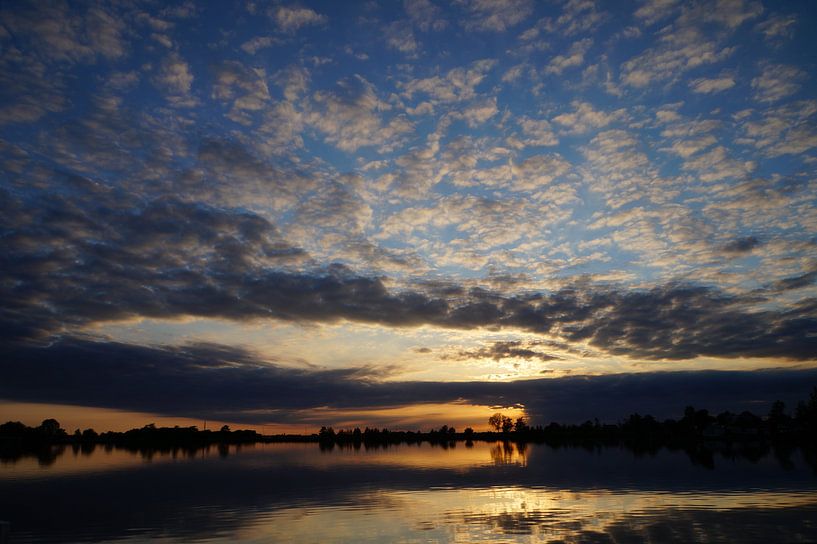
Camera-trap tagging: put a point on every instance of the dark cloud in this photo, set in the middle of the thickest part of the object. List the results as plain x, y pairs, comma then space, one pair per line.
89, 252
221, 382
229, 171
797, 282
741, 245
506, 350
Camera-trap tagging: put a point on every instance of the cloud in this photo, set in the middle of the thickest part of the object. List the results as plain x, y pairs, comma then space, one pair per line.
777, 29
463, 168
349, 115
293, 18
584, 118
652, 11
61, 34
688, 147
293, 80
728, 13
245, 88
797, 282
229, 173
577, 16
717, 164
478, 112
28, 89
337, 205
457, 84
711, 85
400, 36
63, 268
175, 77
741, 245
538, 171
782, 130
227, 383
686, 44
41, 43
538, 132
681, 47
573, 58
776, 81
495, 15
513, 73
259, 42
425, 15
506, 350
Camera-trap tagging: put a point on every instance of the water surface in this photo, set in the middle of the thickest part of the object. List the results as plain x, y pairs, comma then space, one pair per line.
497, 492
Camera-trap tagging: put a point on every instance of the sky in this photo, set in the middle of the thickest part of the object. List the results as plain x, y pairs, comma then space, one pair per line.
405, 214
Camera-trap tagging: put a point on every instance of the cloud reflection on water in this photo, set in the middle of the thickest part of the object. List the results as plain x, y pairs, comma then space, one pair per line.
487, 492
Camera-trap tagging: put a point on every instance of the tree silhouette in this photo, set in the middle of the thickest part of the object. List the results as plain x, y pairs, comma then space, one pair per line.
501, 422
51, 428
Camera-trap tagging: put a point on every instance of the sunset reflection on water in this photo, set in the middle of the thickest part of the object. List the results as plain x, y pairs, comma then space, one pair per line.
455, 492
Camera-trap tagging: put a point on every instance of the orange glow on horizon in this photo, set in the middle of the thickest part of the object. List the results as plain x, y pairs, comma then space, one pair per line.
422, 417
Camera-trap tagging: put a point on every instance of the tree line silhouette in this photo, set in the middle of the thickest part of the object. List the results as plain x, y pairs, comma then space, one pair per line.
639, 432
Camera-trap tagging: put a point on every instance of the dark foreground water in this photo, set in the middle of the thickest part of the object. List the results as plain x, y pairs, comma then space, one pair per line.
488, 492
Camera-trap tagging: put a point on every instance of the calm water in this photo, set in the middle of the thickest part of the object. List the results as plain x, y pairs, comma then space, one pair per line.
488, 492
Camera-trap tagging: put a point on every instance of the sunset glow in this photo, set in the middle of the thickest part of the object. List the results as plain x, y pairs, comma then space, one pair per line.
405, 214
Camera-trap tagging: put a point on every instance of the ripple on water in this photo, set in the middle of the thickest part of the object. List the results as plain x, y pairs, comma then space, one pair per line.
487, 493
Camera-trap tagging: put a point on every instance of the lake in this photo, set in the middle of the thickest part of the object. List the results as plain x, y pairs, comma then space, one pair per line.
485, 492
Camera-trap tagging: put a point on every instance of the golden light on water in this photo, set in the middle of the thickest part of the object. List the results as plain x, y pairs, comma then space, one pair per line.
513, 513
485, 492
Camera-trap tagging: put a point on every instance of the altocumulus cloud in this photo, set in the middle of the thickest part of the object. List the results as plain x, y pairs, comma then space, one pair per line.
150, 171
64, 255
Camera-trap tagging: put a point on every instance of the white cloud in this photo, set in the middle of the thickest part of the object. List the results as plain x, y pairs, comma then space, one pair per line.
175, 78
776, 81
584, 118
350, 116
679, 51
716, 164
574, 57
687, 148
293, 18
281, 128
729, 13
690, 128
578, 16
712, 85
538, 132
652, 11
162, 39
778, 28
495, 15
478, 112
785, 130
538, 171
259, 42
513, 73
458, 84
399, 36
424, 15
175, 75
293, 80
246, 88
